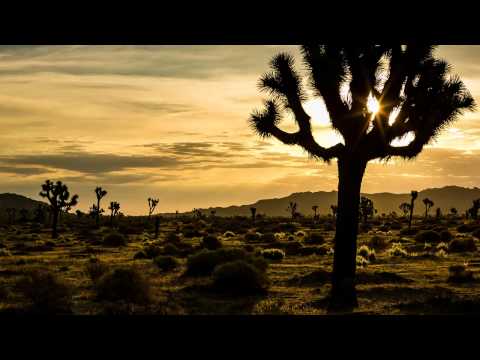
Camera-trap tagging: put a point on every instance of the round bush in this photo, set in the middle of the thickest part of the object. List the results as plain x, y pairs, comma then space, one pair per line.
315, 238
211, 242
273, 254
377, 242
95, 269
170, 249
269, 237
251, 236
123, 284
172, 238
428, 236
114, 239
166, 263
445, 236
462, 245
409, 232
45, 291
228, 234
476, 233
239, 277
293, 248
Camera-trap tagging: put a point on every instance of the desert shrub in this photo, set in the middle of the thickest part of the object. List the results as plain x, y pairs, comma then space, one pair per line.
166, 263
291, 238
211, 242
204, 262
273, 254
397, 250
395, 226
442, 246
123, 284
462, 245
114, 239
464, 228
361, 261
249, 248
293, 248
445, 236
192, 233
251, 237
286, 227
269, 237
172, 238
329, 227
314, 238
95, 269
170, 249
367, 253
140, 255
300, 234
377, 242
46, 292
152, 251
476, 233
409, 232
5, 253
228, 234
441, 253
239, 277
459, 274
429, 236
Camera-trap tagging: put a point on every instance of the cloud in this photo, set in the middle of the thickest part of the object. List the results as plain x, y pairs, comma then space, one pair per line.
23, 171
90, 163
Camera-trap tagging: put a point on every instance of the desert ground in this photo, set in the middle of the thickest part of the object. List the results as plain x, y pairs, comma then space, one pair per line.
430, 269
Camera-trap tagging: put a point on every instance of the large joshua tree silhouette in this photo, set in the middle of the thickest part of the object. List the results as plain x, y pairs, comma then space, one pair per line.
59, 198
416, 88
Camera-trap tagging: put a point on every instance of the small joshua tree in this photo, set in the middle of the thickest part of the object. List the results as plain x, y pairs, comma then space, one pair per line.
292, 209
114, 209
405, 207
213, 213
473, 211
39, 214
334, 209
59, 198
413, 197
23, 215
152, 204
366, 208
428, 205
253, 211
11, 212
438, 213
315, 209
100, 193
453, 211
392, 91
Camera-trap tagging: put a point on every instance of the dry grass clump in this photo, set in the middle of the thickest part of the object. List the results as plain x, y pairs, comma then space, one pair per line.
123, 284
273, 254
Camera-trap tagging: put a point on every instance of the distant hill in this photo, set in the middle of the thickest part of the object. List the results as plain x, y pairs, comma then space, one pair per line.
18, 202
445, 198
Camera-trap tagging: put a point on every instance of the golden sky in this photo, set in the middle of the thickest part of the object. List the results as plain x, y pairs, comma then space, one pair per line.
171, 122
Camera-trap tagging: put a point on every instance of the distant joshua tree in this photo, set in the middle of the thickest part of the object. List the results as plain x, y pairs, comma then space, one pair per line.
292, 209
453, 211
438, 213
152, 204
417, 96
23, 215
366, 208
405, 207
114, 210
100, 193
213, 213
413, 195
11, 212
473, 211
315, 209
253, 211
59, 198
428, 205
334, 209
79, 214
39, 214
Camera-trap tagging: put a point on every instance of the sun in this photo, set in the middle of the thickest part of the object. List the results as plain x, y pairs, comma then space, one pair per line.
373, 105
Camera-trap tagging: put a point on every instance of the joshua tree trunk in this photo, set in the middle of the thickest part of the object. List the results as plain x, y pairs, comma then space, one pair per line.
350, 172
97, 219
54, 224
411, 215
426, 211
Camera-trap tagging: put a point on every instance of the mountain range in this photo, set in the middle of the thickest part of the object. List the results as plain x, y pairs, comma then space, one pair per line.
445, 198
